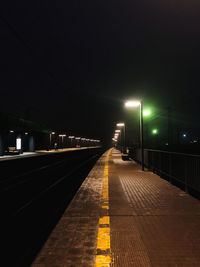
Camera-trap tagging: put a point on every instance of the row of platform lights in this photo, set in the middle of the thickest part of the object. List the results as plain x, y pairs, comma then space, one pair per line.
18, 140
133, 104
74, 138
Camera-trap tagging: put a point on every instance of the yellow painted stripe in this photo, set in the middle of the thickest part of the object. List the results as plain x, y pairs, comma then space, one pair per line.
104, 220
103, 261
103, 237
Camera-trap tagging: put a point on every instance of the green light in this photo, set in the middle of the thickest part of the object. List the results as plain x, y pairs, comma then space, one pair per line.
155, 131
146, 112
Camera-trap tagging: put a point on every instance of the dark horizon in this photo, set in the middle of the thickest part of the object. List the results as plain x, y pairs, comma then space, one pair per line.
72, 65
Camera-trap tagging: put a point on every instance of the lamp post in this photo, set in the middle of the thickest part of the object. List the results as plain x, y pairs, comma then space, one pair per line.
71, 137
77, 141
132, 104
50, 139
62, 135
122, 124
117, 133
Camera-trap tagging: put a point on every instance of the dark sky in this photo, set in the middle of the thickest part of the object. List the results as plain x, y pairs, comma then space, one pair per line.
71, 64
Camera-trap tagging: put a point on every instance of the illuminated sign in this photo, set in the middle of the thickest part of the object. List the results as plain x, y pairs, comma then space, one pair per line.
18, 143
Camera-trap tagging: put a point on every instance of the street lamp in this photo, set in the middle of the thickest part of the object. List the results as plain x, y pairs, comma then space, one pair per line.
71, 137
117, 133
62, 135
131, 104
122, 124
50, 139
77, 141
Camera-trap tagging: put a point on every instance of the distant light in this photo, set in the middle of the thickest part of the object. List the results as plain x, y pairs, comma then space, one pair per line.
77, 138
155, 131
130, 104
195, 141
25, 133
53, 133
62, 135
146, 112
120, 124
184, 135
71, 137
117, 131
11, 131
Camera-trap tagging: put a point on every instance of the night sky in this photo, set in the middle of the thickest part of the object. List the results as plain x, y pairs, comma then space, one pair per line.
72, 64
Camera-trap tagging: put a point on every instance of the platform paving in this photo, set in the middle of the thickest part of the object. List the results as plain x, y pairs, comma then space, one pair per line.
151, 222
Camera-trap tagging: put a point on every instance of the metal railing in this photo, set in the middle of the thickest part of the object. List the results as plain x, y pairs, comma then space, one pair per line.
180, 169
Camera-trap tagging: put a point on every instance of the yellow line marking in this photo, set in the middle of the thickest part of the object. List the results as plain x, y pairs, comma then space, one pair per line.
103, 237
103, 261
105, 207
104, 220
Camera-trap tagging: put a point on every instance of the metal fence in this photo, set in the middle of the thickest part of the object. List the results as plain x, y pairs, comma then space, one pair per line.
180, 169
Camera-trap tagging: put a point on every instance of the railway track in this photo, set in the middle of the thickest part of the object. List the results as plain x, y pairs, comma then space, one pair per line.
34, 200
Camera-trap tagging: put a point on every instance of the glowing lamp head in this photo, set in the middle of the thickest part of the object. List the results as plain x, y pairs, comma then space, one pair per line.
132, 104
117, 131
121, 124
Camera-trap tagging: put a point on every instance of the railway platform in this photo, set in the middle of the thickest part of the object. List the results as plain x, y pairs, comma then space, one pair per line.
123, 217
41, 152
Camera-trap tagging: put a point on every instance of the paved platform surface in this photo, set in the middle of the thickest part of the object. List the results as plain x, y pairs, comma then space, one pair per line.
124, 217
